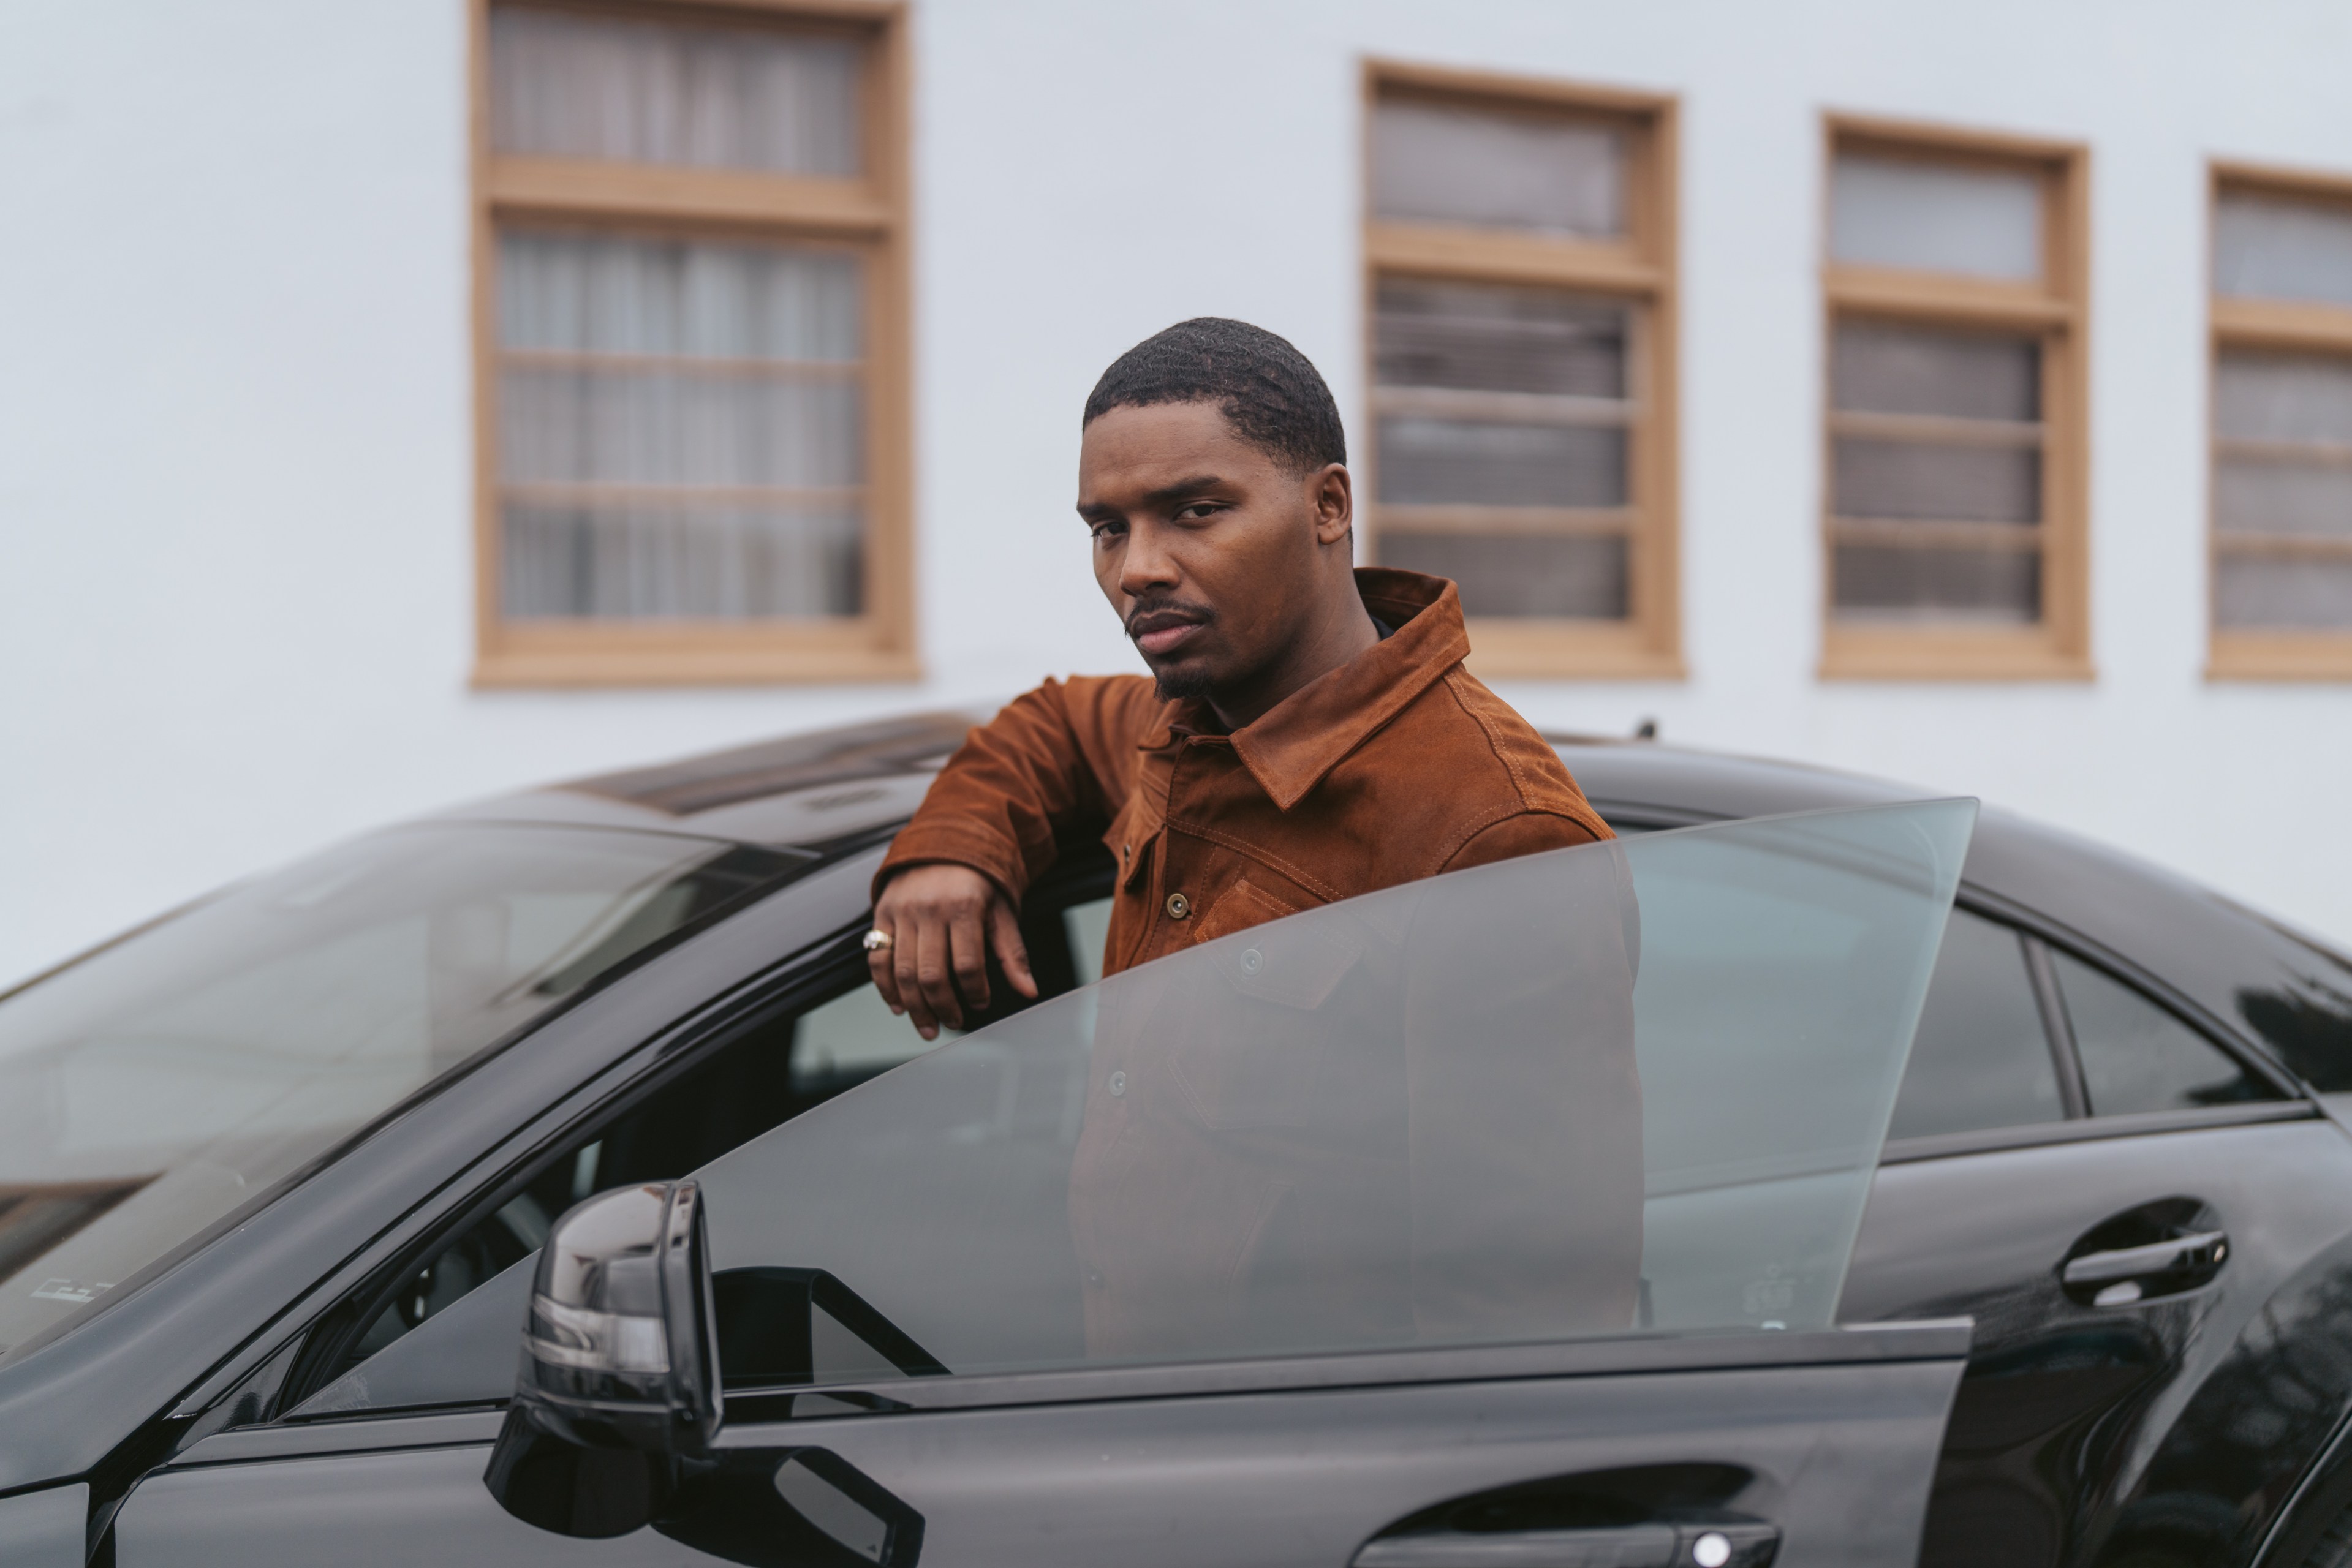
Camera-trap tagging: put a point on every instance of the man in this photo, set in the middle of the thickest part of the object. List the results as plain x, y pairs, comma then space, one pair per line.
1421, 1125
1309, 735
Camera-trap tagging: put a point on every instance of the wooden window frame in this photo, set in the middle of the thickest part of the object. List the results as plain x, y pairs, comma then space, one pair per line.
2238, 653
1641, 271
870, 212
2058, 310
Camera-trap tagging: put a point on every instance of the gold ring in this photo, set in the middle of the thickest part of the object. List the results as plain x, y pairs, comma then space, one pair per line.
878, 940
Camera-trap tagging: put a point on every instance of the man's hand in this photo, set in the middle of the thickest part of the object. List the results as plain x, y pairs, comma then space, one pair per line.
941, 921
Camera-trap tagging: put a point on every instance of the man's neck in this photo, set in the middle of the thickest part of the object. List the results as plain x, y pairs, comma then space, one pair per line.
1341, 634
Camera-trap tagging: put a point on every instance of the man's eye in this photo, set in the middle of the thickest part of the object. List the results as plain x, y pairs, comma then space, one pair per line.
1108, 531
1198, 510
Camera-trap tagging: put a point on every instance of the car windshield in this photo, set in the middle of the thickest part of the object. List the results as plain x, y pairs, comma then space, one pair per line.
175, 1076
1632, 1086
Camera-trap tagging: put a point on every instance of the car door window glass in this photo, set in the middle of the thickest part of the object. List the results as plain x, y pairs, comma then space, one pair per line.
1637, 1085
2139, 1056
1982, 1058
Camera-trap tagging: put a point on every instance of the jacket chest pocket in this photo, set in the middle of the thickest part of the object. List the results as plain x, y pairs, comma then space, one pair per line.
1129, 840
1239, 907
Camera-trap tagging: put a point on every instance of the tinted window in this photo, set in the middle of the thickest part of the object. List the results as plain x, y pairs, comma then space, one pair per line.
1981, 1058
2138, 1057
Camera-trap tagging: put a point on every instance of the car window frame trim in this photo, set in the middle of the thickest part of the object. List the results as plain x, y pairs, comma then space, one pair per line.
2095, 1129
756, 1415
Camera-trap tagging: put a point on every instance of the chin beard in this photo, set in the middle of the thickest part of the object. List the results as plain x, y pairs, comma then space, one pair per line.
1184, 684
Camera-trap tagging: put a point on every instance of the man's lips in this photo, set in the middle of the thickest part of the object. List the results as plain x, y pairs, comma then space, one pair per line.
1163, 632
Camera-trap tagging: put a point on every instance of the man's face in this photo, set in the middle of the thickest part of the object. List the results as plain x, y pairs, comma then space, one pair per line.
1207, 546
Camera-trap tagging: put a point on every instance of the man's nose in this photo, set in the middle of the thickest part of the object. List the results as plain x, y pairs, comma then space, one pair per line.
1145, 566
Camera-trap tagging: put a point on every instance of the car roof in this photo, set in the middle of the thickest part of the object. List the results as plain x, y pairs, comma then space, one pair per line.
841, 785
811, 790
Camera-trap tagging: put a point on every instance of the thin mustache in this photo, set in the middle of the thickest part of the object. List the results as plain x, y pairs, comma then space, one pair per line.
1199, 612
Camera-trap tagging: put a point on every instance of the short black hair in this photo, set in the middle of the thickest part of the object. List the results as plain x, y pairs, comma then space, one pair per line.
1270, 392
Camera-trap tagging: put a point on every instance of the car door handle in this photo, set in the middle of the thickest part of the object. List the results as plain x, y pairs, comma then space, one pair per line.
1743, 1544
2179, 1255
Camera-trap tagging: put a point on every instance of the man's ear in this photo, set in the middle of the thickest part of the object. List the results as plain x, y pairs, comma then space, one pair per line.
1335, 503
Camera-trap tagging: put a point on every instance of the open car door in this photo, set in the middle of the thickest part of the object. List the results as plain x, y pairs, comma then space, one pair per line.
1494, 1219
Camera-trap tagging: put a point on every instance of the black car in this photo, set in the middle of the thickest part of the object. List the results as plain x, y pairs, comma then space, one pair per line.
280, 1172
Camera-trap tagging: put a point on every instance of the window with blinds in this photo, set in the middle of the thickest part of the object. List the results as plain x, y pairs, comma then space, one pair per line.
1520, 244
692, 346
1952, 490
2282, 411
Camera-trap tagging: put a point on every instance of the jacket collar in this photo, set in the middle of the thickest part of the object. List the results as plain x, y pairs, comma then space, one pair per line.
1301, 738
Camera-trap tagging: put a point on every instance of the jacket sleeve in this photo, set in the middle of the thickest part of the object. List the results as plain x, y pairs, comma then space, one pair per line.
1055, 757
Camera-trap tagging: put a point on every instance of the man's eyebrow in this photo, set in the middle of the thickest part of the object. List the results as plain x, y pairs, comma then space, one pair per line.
1192, 485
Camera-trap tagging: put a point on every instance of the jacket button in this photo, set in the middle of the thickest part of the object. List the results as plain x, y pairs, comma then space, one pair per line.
1179, 906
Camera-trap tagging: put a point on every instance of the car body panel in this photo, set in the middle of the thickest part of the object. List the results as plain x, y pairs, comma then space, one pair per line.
1839, 1434
2059, 1443
45, 1529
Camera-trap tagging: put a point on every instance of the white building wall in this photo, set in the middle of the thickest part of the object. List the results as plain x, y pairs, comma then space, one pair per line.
235, 426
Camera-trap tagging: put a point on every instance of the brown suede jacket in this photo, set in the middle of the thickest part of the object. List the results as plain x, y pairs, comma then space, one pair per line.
1396, 766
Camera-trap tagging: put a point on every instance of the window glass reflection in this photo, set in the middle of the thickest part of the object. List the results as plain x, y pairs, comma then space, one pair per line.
2136, 1056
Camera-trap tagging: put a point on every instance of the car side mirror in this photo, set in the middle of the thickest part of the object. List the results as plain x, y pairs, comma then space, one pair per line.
616, 1401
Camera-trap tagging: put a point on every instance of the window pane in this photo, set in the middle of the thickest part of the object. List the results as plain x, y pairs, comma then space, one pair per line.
2283, 593
679, 298
2287, 398
681, 428
2283, 468
1521, 574
693, 561
1880, 368
1498, 338
1932, 481
1452, 1112
1890, 582
2269, 496
1446, 164
2138, 1057
625, 89
1981, 1058
1983, 223
2275, 247
676, 426
1439, 462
